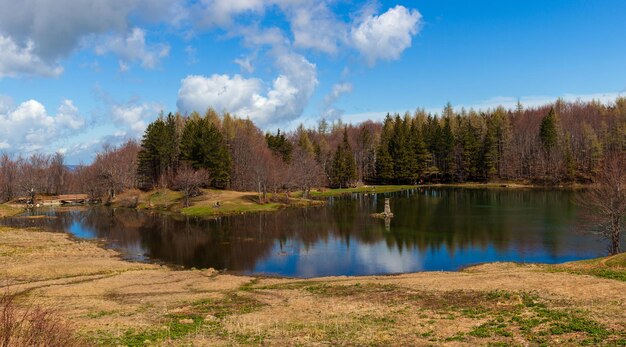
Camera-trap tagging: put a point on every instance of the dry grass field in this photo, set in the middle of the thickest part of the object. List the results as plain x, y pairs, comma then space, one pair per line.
107, 301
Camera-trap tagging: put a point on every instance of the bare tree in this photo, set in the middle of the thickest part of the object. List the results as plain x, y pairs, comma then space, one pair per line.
8, 177
189, 181
604, 204
306, 172
57, 174
114, 169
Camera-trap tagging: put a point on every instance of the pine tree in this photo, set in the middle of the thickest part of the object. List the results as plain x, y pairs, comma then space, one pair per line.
548, 131
446, 153
343, 166
280, 145
422, 159
158, 157
469, 139
203, 147
490, 149
384, 161
400, 151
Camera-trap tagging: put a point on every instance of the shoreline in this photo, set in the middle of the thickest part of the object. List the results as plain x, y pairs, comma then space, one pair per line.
219, 203
234, 202
111, 301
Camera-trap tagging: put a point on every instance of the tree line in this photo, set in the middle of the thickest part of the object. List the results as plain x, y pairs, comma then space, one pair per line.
556, 143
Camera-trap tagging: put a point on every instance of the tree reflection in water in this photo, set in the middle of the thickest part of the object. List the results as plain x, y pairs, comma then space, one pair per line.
432, 229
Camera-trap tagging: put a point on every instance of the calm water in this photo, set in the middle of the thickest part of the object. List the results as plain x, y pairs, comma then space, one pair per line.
433, 229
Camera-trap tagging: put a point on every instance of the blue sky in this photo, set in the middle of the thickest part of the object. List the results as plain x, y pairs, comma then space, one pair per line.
77, 74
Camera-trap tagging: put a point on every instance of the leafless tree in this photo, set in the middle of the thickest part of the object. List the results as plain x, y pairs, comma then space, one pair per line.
56, 174
306, 171
189, 181
115, 169
8, 177
604, 204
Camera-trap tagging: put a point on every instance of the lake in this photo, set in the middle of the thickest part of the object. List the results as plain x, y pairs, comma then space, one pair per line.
433, 229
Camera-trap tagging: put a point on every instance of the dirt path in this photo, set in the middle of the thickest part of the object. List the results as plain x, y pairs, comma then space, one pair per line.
114, 302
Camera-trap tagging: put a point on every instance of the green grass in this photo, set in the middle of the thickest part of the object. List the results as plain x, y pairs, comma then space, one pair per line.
229, 208
365, 189
165, 198
613, 267
8, 211
180, 325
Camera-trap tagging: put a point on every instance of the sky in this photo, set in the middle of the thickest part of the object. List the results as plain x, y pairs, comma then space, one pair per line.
78, 74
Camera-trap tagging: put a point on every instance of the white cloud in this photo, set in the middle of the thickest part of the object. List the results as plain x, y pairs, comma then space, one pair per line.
254, 36
316, 27
245, 63
246, 97
68, 116
134, 117
28, 127
40, 32
15, 60
210, 13
339, 89
133, 48
385, 37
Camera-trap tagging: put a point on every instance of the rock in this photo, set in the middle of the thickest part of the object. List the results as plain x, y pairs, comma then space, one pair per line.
186, 321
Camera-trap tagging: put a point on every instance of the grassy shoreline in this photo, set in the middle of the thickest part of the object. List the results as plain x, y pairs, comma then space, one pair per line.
7, 210
113, 302
215, 203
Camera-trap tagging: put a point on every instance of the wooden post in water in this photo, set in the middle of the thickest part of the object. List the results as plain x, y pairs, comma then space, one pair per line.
387, 208
386, 214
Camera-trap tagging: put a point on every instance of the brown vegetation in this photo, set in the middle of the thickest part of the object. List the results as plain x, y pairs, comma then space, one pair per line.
114, 302
33, 326
604, 203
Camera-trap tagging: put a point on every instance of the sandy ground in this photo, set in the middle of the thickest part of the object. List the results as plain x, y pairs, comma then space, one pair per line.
110, 301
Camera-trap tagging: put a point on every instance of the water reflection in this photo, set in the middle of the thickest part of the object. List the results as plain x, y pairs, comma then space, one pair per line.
432, 229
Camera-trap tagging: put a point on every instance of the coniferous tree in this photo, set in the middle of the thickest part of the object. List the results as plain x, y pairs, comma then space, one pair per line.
548, 131
422, 162
343, 166
384, 161
469, 140
157, 158
446, 150
280, 145
400, 151
203, 147
490, 149
549, 136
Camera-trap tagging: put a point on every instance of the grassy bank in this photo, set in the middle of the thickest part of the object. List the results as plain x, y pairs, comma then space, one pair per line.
215, 203
325, 193
111, 302
374, 189
9, 210
211, 203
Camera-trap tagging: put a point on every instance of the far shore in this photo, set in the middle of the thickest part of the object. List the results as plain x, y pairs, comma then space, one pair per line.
213, 203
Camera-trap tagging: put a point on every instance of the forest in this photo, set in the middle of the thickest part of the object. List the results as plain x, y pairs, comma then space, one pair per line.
554, 144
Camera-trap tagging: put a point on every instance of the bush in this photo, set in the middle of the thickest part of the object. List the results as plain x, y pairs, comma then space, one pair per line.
33, 326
